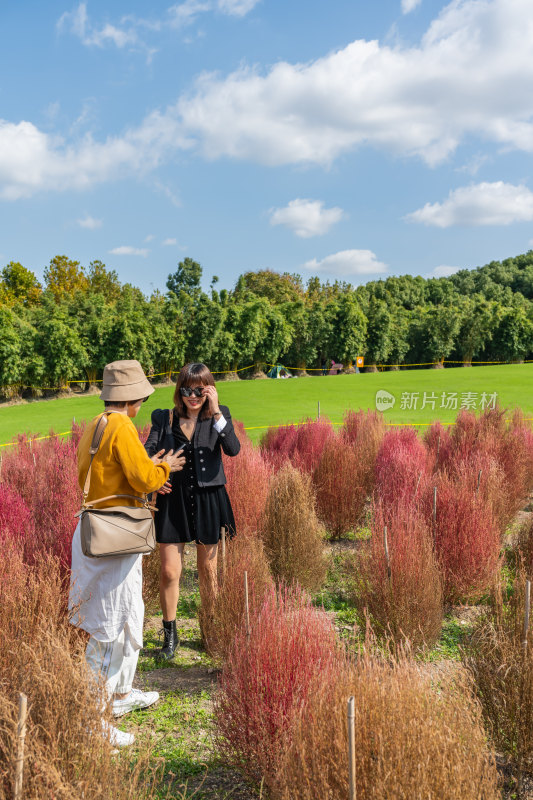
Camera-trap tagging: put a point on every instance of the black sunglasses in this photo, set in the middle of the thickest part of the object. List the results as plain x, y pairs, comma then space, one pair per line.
186, 391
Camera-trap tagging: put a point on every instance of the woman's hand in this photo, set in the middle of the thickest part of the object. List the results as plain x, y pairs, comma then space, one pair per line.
175, 462
165, 489
212, 398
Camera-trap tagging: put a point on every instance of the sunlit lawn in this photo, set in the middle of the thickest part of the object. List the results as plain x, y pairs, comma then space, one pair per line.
262, 403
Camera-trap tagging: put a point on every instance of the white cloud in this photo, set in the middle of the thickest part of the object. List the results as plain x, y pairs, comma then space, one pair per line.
470, 76
169, 242
409, 5
149, 237
306, 217
32, 161
90, 222
496, 203
237, 8
77, 22
127, 250
348, 263
443, 271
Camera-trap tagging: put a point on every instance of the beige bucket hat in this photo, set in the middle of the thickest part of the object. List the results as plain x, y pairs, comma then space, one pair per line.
124, 382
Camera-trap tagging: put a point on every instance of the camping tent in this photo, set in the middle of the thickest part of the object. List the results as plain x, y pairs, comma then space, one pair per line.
279, 371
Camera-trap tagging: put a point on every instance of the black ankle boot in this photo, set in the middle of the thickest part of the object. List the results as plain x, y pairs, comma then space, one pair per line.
171, 640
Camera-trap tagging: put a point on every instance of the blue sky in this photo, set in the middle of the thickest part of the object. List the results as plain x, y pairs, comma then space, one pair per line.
349, 139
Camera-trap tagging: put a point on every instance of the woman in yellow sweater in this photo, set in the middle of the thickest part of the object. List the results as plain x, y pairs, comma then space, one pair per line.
106, 593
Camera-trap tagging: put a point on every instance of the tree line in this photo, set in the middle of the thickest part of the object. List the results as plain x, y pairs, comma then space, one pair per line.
81, 318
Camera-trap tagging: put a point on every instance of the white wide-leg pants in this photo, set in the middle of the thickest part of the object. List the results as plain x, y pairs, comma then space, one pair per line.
115, 662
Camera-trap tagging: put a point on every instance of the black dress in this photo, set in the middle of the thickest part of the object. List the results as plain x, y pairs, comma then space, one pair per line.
190, 512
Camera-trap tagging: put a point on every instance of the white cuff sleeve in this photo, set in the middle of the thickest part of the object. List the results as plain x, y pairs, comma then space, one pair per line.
220, 424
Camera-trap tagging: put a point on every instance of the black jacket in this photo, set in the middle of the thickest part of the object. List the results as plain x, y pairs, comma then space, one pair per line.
207, 444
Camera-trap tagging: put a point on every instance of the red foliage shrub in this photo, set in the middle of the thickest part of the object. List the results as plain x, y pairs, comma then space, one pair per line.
438, 440
408, 604
266, 679
467, 539
16, 523
402, 468
45, 476
248, 477
365, 430
302, 445
340, 497
277, 444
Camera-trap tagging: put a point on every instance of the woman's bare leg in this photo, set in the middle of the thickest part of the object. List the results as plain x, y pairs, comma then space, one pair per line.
169, 580
206, 560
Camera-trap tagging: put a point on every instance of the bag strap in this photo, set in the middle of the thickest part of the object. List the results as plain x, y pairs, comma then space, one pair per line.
93, 449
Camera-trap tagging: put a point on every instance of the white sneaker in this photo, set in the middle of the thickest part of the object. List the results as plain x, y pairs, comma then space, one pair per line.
116, 737
135, 699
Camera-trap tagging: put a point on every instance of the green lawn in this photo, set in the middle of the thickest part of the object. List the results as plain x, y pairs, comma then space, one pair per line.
272, 402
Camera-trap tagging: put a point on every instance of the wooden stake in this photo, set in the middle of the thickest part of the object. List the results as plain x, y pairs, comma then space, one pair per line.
351, 748
223, 549
387, 557
318, 414
21, 735
418, 481
34, 461
527, 606
247, 606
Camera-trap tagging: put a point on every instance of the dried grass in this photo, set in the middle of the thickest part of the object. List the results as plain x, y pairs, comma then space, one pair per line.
409, 603
413, 740
266, 679
41, 654
291, 532
243, 553
503, 671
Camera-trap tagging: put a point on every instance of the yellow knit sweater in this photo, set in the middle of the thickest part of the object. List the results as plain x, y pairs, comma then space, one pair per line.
121, 465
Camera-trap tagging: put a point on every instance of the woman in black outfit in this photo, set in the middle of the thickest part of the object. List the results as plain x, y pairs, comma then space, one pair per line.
193, 505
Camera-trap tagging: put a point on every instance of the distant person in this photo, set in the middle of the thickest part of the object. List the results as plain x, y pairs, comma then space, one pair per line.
324, 366
193, 505
106, 592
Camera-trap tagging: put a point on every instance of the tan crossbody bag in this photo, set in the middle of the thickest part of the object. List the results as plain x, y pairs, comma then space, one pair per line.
115, 530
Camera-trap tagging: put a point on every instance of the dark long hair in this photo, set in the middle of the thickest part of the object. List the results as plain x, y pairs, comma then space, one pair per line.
192, 374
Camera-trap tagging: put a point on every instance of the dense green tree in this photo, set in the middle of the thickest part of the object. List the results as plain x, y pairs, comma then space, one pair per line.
379, 336
64, 277
186, 279
19, 285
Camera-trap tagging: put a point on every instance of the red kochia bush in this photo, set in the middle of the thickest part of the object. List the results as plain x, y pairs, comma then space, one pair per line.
402, 468
45, 475
15, 519
248, 476
408, 604
266, 679
365, 430
467, 539
302, 445
340, 495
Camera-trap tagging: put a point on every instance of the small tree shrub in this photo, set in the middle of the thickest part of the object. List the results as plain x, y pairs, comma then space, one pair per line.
243, 553
412, 739
467, 539
408, 601
277, 444
340, 499
268, 677
291, 532
503, 672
